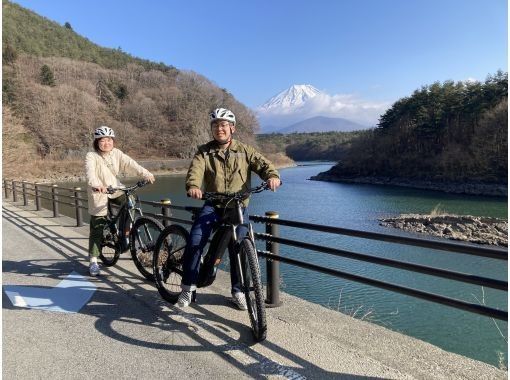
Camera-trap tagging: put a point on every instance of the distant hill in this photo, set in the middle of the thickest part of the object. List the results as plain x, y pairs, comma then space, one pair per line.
58, 86
323, 124
30, 33
445, 133
330, 146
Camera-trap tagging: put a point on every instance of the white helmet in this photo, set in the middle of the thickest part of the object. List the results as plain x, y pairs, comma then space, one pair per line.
222, 114
103, 131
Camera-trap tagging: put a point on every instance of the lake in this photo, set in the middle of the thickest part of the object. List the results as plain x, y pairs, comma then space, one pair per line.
360, 207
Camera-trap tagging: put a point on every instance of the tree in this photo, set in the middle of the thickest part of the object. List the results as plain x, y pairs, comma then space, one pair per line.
46, 76
68, 26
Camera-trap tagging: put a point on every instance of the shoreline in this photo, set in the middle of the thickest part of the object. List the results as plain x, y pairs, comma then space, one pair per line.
156, 167
469, 188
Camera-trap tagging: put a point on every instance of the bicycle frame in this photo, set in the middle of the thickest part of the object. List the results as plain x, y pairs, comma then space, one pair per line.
126, 214
218, 246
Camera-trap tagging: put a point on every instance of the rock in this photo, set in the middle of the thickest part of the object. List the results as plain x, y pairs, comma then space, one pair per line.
481, 230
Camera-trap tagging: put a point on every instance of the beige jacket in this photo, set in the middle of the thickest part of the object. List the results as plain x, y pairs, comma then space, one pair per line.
104, 171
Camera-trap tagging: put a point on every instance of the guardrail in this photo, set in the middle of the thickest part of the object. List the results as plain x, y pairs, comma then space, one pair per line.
273, 240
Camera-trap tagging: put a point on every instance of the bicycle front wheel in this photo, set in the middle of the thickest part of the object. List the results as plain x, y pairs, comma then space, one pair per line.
252, 288
110, 246
167, 261
142, 241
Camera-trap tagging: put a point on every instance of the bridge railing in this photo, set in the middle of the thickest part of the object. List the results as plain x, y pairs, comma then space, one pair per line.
76, 197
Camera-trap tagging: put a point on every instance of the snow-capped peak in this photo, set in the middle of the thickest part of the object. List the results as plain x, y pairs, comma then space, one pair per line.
293, 97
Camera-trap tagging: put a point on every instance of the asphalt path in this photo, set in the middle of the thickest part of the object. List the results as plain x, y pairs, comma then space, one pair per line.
126, 331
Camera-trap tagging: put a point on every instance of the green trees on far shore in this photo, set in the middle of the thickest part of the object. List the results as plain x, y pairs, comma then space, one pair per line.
444, 132
329, 146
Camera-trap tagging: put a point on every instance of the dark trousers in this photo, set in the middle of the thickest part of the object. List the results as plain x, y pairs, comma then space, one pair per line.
199, 235
97, 224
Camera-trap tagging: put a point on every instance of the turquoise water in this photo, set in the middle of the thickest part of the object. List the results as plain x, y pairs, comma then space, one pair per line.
359, 207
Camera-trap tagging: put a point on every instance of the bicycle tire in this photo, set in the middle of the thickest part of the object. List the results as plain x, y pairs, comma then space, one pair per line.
167, 261
110, 246
252, 288
142, 241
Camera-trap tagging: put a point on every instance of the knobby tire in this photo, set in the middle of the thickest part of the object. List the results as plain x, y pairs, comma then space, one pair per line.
167, 261
142, 242
110, 249
252, 288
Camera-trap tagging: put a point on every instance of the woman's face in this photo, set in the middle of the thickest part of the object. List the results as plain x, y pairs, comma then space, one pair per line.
105, 144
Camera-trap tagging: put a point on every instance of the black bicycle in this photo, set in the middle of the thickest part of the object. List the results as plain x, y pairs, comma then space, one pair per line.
169, 253
129, 229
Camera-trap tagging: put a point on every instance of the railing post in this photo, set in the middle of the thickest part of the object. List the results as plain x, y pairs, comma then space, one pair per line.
37, 198
273, 266
14, 193
6, 189
54, 197
24, 192
166, 210
77, 205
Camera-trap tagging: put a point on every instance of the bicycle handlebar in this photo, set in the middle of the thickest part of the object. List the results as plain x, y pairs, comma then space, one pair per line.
241, 195
127, 189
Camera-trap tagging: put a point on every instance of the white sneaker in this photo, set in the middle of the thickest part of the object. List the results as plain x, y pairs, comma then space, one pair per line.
94, 269
184, 298
239, 300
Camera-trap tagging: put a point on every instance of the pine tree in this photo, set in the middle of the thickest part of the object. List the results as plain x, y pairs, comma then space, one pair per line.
46, 76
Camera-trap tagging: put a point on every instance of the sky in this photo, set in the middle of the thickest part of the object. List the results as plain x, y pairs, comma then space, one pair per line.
365, 53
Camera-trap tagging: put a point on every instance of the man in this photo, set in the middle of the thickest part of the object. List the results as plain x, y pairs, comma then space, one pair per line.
222, 165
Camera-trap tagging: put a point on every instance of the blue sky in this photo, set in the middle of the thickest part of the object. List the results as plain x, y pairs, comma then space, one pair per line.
373, 50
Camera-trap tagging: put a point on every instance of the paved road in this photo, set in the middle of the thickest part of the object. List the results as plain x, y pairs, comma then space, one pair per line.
126, 331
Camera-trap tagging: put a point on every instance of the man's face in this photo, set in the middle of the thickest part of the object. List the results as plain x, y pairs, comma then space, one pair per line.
222, 131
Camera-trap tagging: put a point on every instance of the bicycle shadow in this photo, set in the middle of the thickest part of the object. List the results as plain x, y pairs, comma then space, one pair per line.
211, 331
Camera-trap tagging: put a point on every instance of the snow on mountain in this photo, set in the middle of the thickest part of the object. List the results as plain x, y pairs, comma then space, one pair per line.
293, 97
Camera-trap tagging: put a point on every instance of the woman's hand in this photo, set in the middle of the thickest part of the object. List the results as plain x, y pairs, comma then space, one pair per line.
99, 189
150, 178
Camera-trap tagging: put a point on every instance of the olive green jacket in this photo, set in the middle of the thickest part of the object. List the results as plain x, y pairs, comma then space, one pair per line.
211, 171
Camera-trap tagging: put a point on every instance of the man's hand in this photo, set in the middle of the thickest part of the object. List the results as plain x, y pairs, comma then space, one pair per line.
195, 193
273, 183
99, 189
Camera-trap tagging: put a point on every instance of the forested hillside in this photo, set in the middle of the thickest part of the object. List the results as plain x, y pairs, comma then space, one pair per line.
309, 146
58, 86
442, 132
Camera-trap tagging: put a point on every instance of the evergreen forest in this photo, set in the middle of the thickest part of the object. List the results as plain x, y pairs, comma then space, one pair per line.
451, 131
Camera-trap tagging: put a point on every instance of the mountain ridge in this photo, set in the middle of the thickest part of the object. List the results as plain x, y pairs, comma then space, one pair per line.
323, 124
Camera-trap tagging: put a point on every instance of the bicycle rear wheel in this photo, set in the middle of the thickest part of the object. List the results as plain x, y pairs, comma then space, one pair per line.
142, 241
167, 261
110, 246
252, 288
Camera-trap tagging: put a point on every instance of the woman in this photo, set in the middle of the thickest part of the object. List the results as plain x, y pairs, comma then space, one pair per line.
103, 167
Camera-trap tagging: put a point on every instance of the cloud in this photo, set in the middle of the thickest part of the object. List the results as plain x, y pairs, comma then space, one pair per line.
342, 105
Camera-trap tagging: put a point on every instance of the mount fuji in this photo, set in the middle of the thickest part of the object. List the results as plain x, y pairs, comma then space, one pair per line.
301, 108
291, 98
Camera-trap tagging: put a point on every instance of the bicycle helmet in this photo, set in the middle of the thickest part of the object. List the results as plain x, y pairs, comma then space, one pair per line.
103, 131
222, 114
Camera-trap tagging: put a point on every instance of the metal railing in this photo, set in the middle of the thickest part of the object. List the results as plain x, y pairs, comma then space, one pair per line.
273, 240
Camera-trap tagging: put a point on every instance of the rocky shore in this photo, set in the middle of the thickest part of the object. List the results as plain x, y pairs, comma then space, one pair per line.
474, 229
471, 188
